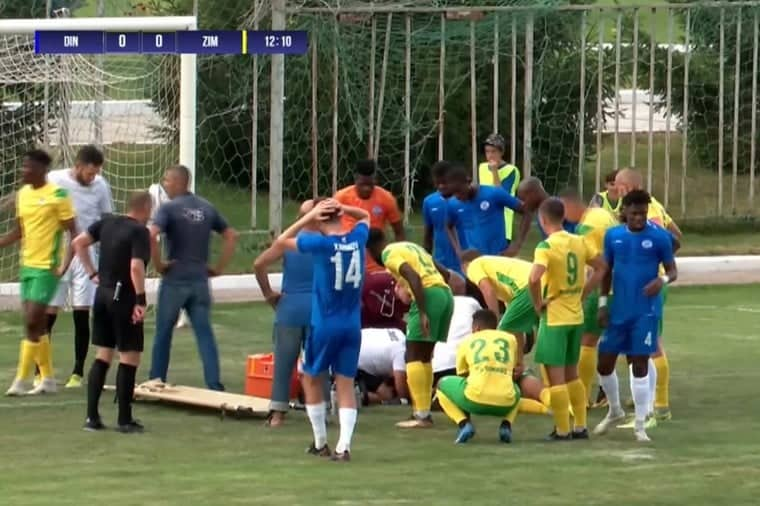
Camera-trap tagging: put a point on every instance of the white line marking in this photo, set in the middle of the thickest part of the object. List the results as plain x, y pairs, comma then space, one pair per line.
43, 404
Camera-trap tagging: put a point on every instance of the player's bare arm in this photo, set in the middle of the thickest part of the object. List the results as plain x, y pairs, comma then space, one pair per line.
357, 213
324, 207
522, 232
427, 238
229, 241
399, 382
260, 266
534, 287
81, 245
604, 292
398, 230
69, 226
155, 251
11, 237
451, 232
137, 273
489, 295
654, 286
599, 267
415, 284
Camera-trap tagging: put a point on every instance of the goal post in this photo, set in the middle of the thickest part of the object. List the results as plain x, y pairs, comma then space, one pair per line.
187, 67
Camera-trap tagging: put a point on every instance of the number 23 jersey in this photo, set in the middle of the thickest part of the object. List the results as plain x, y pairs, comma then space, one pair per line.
488, 357
338, 274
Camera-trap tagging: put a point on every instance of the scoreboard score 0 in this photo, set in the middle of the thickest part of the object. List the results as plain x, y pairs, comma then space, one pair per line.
181, 42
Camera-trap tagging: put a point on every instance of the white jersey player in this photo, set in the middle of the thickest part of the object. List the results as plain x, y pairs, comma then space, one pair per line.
382, 367
159, 197
445, 354
91, 196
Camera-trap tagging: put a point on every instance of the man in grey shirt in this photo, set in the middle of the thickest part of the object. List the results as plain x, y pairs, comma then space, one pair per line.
91, 196
186, 222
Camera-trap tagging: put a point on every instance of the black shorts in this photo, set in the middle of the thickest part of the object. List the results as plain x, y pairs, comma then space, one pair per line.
112, 325
369, 381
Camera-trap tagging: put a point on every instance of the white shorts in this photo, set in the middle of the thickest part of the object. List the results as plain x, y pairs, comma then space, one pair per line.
75, 287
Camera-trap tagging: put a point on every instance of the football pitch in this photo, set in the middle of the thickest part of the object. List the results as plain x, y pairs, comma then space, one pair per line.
709, 453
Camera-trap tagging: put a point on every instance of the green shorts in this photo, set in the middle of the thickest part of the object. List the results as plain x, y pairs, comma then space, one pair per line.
453, 387
520, 315
591, 314
440, 307
558, 345
38, 285
664, 292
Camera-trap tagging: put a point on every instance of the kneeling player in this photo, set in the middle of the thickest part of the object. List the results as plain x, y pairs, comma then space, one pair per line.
634, 252
382, 368
119, 308
488, 359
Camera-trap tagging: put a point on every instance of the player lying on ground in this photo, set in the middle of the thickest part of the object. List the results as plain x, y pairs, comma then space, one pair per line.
382, 368
634, 252
558, 287
119, 307
335, 338
43, 213
429, 315
488, 358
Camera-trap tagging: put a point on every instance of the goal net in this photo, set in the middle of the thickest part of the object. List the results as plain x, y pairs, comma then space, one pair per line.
60, 103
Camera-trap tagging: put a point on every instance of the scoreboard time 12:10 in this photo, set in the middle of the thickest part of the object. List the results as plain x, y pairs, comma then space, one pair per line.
180, 42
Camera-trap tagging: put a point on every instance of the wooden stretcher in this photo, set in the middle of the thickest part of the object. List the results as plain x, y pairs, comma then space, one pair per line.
225, 402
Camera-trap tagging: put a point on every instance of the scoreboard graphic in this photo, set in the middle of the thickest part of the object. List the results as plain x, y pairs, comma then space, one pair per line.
225, 42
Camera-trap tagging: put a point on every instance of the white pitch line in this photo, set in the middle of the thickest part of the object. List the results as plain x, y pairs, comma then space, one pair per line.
43, 404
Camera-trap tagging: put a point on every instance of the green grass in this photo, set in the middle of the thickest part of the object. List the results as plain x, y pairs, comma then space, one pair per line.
706, 455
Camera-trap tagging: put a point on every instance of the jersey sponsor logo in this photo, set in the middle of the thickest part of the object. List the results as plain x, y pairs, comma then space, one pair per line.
194, 215
646, 244
484, 205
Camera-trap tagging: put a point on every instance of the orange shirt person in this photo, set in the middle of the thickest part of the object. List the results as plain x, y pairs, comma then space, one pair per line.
378, 202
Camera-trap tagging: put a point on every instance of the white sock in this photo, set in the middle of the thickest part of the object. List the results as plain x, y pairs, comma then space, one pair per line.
641, 400
347, 419
317, 416
630, 379
610, 386
652, 384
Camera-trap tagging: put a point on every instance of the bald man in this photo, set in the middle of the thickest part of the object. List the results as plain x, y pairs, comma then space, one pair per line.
627, 180
532, 193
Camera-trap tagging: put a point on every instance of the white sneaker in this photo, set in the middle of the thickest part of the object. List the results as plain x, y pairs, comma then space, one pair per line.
46, 386
641, 436
182, 320
18, 388
610, 420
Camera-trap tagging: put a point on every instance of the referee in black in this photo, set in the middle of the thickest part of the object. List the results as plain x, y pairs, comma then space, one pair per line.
119, 307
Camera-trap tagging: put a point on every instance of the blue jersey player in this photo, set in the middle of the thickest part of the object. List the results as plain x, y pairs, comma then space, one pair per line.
634, 252
435, 215
479, 210
335, 337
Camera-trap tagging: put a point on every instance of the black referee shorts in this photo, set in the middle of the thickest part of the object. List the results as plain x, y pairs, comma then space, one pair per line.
112, 325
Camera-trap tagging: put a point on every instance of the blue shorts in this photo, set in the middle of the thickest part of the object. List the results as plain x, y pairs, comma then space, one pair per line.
636, 337
332, 346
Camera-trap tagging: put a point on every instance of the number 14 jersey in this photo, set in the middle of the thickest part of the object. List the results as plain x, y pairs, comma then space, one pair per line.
338, 274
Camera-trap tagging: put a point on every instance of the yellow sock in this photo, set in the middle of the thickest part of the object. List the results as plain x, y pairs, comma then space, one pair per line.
560, 402
416, 378
587, 366
579, 402
27, 354
532, 407
45, 357
544, 376
513, 414
451, 409
546, 397
425, 406
662, 395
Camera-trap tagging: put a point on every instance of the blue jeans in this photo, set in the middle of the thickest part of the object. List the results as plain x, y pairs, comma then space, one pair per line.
195, 298
288, 342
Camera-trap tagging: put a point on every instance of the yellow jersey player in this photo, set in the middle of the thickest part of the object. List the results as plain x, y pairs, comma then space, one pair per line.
484, 385
429, 317
626, 181
593, 223
504, 279
609, 199
43, 213
558, 267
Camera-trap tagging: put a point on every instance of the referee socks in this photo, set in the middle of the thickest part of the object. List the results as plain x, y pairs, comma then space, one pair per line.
125, 391
95, 382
